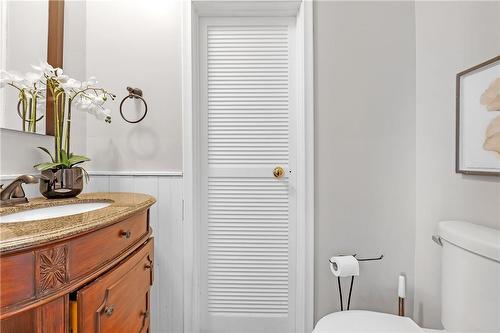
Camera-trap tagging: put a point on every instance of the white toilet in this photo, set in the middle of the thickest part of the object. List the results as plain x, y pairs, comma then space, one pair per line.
470, 288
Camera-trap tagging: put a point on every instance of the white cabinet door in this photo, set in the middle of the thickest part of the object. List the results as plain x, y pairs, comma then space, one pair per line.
248, 250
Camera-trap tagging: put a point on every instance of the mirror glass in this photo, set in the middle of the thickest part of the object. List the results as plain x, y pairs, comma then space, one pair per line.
24, 40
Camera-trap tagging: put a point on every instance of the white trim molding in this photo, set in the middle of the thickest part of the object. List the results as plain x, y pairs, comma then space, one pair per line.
137, 173
303, 12
305, 164
117, 173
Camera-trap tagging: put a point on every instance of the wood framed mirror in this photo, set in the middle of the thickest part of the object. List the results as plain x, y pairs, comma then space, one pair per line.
55, 47
23, 45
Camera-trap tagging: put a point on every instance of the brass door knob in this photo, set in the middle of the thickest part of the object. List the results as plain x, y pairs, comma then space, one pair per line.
278, 172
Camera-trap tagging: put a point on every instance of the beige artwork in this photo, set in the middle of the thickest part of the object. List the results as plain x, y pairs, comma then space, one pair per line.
491, 100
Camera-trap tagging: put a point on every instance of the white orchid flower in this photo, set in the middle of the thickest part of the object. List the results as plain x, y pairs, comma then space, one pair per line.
102, 114
44, 67
83, 103
4, 75
31, 79
93, 104
99, 99
92, 81
4, 78
84, 95
62, 78
71, 84
11, 77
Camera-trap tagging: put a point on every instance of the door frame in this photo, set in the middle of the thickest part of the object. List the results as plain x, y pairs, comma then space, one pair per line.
192, 163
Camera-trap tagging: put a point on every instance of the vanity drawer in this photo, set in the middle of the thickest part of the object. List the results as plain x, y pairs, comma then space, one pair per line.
88, 252
118, 301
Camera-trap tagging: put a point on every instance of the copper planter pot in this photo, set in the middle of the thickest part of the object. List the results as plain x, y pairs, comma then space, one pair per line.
61, 183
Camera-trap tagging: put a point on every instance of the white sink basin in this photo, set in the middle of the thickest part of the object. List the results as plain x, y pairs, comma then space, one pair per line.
51, 212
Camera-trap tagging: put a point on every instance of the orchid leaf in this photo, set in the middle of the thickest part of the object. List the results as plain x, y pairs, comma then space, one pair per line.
77, 159
86, 174
64, 158
48, 152
48, 166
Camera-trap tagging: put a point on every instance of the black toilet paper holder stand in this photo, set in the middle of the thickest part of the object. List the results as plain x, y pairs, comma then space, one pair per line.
352, 279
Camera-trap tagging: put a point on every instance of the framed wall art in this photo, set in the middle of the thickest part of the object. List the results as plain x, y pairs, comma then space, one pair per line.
478, 119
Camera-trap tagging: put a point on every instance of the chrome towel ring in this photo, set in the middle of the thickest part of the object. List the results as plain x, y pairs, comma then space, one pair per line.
134, 93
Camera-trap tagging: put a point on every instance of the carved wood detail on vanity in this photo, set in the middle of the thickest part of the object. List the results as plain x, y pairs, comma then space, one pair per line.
52, 269
38, 283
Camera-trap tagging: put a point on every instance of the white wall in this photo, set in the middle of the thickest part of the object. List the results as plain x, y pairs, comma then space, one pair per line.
450, 37
365, 148
74, 66
138, 45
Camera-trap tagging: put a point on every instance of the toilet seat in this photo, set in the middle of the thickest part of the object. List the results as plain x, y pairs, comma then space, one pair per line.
365, 321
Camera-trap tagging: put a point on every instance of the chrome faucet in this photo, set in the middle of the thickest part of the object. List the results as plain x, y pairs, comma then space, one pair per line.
13, 193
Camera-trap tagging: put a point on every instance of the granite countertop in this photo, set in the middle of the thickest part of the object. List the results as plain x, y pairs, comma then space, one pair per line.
20, 235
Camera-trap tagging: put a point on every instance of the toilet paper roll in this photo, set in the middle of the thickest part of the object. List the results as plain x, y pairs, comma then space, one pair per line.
343, 266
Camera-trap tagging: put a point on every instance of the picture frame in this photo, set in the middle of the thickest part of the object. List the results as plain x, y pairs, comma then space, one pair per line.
478, 119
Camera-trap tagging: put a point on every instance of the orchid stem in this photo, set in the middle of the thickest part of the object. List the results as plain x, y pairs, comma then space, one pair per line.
30, 115
24, 111
56, 126
68, 127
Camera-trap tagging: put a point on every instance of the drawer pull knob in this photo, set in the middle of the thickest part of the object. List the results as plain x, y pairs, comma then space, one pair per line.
109, 310
125, 234
147, 266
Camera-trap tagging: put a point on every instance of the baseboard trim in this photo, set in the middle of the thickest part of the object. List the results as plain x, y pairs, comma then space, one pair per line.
137, 173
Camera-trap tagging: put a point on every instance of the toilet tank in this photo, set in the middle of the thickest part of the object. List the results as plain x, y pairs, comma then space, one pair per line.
470, 277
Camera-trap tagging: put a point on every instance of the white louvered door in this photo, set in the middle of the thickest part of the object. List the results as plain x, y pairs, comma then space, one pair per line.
248, 250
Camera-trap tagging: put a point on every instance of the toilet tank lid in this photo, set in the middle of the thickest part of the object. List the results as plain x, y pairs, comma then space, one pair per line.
472, 237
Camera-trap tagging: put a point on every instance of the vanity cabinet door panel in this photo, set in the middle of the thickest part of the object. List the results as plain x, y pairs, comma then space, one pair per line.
47, 318
88, 252
52, 317
17, 276
118, 301
23, 322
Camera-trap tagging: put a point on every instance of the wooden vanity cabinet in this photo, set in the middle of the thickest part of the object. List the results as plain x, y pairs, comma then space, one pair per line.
106, 272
